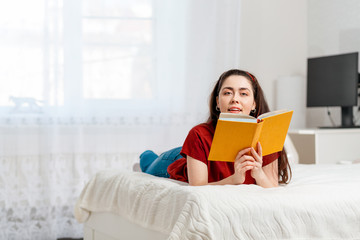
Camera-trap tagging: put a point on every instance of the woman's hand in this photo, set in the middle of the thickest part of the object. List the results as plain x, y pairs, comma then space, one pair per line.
266, 176
257, 171
243, 162
247, 159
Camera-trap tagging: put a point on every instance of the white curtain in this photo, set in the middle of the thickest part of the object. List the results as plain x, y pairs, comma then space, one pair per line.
88, 85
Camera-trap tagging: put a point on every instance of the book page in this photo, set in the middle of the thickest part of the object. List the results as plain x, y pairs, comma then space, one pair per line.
273, 113
237, 117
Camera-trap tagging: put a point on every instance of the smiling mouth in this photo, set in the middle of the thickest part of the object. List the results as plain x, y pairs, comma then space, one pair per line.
234, 110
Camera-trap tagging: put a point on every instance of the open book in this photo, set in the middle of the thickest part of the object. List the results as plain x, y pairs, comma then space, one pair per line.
235, 132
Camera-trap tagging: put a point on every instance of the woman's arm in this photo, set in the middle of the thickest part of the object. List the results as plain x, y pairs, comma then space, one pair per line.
198, 172
266, 176
270, 176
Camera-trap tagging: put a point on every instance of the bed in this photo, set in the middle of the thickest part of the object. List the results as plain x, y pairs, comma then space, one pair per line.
321, 202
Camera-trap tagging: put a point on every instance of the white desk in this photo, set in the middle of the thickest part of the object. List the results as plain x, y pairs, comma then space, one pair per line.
326, 145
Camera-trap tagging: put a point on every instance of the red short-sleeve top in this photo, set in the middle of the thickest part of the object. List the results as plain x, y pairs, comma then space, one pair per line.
197, 145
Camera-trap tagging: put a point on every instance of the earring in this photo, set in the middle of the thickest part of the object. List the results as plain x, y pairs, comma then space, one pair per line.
253, 110
217, 108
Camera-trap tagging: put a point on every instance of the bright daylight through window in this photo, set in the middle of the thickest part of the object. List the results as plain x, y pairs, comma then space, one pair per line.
117, 49
52, 55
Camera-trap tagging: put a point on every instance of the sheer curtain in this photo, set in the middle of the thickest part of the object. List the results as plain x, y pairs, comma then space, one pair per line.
88, 85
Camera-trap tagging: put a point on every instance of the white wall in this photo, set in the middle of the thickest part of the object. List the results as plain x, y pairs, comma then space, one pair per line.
333, 28
278, 36
213, 48
274, 42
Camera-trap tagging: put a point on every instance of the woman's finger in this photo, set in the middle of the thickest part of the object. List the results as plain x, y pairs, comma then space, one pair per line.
259, 151
242, 152
245, 165
246, 168
244, 158
256, 155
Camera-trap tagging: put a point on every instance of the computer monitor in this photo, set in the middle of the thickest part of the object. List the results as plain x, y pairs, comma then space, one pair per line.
333, 81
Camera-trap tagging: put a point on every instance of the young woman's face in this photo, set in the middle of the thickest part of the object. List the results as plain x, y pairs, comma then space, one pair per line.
236, 95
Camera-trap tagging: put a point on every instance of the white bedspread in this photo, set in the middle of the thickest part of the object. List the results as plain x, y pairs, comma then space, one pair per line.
322, 201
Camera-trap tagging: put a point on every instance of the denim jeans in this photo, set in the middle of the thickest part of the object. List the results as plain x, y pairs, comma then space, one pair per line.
156, 165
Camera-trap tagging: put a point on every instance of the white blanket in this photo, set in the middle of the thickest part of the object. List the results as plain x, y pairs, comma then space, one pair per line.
322, 201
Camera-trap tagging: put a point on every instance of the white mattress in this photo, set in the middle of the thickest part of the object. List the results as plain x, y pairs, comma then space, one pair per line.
322, 201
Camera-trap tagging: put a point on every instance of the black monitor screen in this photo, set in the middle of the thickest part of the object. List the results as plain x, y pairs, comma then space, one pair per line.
332, 80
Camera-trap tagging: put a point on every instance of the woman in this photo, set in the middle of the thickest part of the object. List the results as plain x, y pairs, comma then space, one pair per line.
236, 91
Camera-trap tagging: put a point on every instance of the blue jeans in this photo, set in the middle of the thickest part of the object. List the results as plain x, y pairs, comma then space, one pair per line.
156, 165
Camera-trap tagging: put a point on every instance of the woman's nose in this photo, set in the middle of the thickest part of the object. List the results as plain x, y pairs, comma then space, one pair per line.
235, 98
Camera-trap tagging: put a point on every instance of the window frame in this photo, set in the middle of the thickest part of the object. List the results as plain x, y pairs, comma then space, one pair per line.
168, 63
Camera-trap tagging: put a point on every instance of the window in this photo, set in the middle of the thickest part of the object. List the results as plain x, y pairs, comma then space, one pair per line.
22, 50
72, 54
110, 57
118, 49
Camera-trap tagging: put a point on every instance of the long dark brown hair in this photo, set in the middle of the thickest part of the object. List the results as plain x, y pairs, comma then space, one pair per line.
284, 169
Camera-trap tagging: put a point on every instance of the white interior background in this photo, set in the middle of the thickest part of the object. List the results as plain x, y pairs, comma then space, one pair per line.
109, 79
333, 28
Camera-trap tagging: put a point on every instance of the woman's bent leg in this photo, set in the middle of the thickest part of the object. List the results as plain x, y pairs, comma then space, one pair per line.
158, 166
146, 159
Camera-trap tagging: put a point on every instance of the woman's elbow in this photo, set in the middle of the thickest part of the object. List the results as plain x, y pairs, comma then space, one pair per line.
271, 185
197, 183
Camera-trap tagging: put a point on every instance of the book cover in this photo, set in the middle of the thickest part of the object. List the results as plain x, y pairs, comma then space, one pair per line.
235, 132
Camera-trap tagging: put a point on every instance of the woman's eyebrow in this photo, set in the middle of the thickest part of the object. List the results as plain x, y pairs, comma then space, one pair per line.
231, 88
244, 88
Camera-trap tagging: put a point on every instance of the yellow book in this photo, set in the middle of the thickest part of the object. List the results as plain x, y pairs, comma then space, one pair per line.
235, 132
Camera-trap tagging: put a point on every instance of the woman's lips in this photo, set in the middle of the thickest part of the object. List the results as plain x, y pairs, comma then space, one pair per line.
234, 110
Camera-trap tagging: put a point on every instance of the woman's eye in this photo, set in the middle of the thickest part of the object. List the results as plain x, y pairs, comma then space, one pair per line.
227, 93
244, 94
